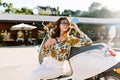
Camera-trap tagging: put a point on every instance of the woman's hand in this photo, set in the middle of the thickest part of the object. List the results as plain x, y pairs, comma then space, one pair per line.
75, 27
49, 42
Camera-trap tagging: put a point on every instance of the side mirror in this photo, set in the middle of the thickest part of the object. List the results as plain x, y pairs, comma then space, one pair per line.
112, 32
111, 35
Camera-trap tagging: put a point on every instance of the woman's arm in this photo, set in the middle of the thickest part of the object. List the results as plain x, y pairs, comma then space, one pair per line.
84, 39
46, 46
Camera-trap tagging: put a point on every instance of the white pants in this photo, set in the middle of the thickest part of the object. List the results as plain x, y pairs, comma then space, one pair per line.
49, 69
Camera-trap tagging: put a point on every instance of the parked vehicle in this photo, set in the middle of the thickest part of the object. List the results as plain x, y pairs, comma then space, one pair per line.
95, 62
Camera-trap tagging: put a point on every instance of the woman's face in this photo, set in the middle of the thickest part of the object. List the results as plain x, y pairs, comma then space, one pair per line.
64, 25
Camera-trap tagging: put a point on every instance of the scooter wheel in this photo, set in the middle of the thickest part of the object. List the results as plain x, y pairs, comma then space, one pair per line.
111, 78
112, 75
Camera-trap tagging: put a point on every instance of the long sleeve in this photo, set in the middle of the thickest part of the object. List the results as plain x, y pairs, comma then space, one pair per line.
85, 40
82, 40
42, 49
45, 50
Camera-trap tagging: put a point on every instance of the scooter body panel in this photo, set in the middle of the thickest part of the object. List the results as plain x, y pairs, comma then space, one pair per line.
90, 63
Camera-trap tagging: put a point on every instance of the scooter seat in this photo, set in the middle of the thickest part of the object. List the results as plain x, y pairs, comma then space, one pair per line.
77, 50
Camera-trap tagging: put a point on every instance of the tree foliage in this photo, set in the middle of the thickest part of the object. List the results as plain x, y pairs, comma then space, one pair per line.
67, 12
95, 11
8, 8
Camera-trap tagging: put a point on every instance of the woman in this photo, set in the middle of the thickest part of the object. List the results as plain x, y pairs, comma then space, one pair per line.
57, 48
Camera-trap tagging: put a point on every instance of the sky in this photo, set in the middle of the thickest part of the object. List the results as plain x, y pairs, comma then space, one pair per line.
82, 5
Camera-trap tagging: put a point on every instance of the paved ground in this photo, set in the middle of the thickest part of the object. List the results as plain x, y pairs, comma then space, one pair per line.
16, 63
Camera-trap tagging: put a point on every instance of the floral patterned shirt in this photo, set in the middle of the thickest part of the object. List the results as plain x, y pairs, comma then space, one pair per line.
60, 50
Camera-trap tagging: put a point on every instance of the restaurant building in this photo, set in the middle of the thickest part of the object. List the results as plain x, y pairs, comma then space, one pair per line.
35, 36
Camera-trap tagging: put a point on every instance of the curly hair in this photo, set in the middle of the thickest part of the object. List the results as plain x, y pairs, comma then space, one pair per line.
56, 31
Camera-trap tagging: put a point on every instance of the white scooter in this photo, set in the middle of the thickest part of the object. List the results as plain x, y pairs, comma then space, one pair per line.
95, 62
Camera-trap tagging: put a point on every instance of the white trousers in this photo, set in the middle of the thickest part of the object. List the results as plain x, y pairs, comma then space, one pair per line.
49, 69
